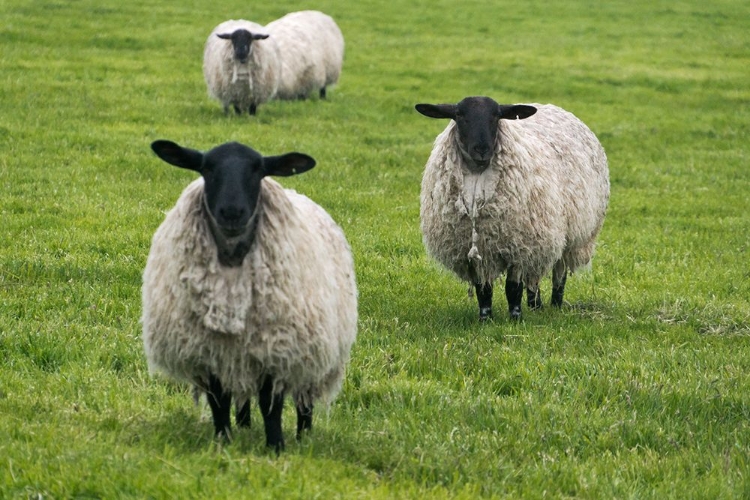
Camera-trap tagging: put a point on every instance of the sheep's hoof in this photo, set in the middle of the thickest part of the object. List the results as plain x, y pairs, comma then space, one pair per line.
278, 446
485, 314
515, 313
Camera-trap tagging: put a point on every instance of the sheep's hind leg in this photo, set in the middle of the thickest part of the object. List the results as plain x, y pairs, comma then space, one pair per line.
304, 416
559, 276
514, 293
237, 109
533, 295
243, 414
220, 403
271, 406
323, 93
253, 109
484, 298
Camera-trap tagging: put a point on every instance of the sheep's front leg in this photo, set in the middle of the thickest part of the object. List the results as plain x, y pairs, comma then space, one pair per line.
514, 293
559, 276
253, 109
271, 406
304, 417
484, 298
484, 294
220, 403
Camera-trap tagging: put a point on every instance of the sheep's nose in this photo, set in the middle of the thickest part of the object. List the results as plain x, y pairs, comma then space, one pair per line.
481, 150
231, 213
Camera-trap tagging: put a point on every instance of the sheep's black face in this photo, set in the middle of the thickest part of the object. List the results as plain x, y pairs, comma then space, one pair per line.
477, 122
242, 42
232, 175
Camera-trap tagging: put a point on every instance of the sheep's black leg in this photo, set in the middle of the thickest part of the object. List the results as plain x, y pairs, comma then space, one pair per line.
271, 406
484, 298
323, 93
559, 277
220, 403
226, 109
243, 414
533, 296
514, 294
253, 109
237, 109
304, 418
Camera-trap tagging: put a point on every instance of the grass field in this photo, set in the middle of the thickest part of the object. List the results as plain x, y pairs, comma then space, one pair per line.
638, 388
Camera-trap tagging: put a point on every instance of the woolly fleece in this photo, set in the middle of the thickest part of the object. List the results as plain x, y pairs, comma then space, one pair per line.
543, 198
311, 48
290, 309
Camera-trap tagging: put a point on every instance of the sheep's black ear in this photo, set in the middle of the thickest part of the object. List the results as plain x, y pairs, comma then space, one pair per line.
437, 110
176, 155
515, 111
224, 36
260, 36
288, 164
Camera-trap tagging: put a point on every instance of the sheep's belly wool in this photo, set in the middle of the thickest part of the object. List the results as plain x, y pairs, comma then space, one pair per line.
289, 311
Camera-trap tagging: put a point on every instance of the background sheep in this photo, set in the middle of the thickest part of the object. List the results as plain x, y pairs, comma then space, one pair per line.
522, 189
311, 47
249, 288
241, 65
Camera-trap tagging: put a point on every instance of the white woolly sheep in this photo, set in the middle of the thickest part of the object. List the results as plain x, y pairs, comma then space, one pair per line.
249, 289
241, 67
311, 48
522, 197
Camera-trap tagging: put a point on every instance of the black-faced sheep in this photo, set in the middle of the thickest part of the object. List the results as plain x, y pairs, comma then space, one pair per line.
521, 189
249, 288
241, 65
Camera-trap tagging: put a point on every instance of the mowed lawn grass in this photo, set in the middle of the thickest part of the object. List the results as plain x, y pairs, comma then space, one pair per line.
637, 388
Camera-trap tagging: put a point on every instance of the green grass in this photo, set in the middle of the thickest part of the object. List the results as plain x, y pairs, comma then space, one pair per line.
639, 388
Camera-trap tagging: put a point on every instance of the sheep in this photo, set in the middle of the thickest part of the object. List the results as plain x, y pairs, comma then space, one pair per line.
521, 189
249, 289
241, 65
311, 47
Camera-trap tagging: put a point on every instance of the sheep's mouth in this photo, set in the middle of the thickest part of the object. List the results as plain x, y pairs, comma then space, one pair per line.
233, 232
478, 166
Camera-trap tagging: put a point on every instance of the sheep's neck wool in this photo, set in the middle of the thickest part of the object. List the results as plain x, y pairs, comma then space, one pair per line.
478, 189
242, 71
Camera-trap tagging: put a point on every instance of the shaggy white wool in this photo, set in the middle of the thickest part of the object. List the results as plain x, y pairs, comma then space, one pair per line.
542, 199
233, 83
311, 48
289, 311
